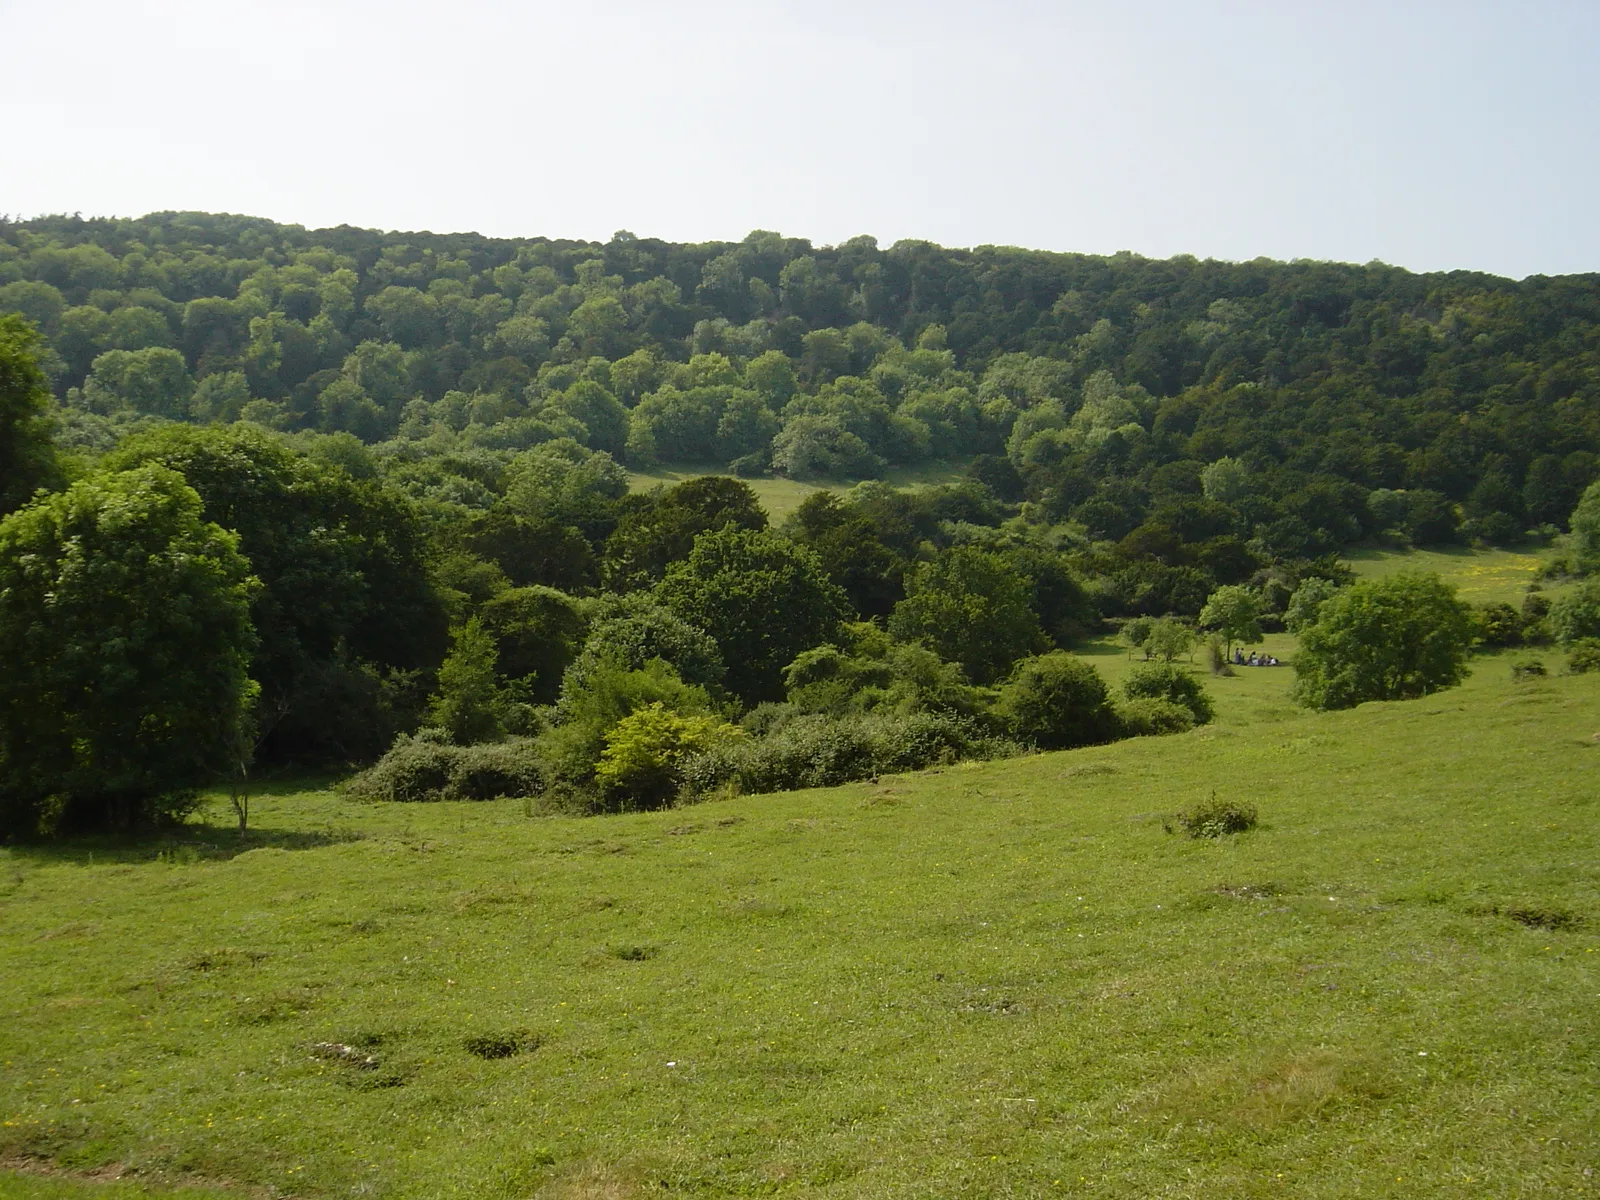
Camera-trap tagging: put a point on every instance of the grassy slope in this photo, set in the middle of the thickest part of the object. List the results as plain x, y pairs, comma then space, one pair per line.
1002, 980
1481, 576
781, 497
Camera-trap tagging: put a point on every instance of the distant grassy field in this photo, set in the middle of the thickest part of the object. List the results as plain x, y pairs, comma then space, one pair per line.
780, 497
1001, 980
1481, 576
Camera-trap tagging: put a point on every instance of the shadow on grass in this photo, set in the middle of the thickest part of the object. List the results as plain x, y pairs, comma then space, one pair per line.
200, 839
185, 844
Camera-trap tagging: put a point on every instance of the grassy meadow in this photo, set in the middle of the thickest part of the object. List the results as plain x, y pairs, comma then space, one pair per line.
1479, 576
780, 496
997, 980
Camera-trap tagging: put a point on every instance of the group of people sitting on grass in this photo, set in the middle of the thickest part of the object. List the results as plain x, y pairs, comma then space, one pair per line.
1255, 660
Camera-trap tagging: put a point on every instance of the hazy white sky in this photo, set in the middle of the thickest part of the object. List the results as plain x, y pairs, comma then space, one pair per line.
1439, 135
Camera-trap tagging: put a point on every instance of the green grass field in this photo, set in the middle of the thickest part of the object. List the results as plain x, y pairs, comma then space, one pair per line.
780, 497
1000, 980
1480, 576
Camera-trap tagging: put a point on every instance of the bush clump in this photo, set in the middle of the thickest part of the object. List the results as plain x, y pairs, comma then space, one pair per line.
1055, 701
641, 766
1166, 681
1151, 716
1215, 818
427, 768
1530, 669
817, 751
1584, 656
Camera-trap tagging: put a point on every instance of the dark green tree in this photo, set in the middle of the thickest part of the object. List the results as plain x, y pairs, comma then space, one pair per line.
538, 631
28, 458
847, 543
345, 587
970, 607
632, 629
652, 536
1056, 701
763, 598
125, 633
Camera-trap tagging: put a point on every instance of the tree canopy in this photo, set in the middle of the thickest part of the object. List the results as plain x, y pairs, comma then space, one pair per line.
1384, 639
126, 637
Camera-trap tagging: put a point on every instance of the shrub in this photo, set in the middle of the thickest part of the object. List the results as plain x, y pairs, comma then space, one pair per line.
1217, 657
767, 717
1163, 681
1056, 701
817, 751
427, 768
1530, 669
640, 767
1150, 716
1214, 818
1577, 614
487, 772
1584, 656
1499, 624
591, 708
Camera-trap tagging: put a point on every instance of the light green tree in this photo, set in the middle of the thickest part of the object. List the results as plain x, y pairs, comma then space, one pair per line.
1169, 637
1585, 525
1384, 639
1234, 611
468, 703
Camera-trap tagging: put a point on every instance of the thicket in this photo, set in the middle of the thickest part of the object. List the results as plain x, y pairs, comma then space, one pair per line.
420, 443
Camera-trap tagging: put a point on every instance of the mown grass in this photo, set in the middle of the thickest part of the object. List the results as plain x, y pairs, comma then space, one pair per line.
780, 497
996, 980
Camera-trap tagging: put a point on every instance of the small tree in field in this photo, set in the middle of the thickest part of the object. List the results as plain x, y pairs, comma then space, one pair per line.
1384, 639
1137, 633
1234, 612
1169, 637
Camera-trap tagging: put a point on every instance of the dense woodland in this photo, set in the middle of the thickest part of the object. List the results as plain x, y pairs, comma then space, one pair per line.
387, 476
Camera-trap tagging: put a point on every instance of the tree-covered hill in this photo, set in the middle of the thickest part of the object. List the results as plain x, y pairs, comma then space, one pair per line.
1108, 382
401, 458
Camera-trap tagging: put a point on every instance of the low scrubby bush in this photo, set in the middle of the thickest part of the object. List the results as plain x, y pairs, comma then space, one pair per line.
487, 772
1584, 656
1151, 716
1165, 681
426, 768
1529, 669
1215, 818
814, 751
